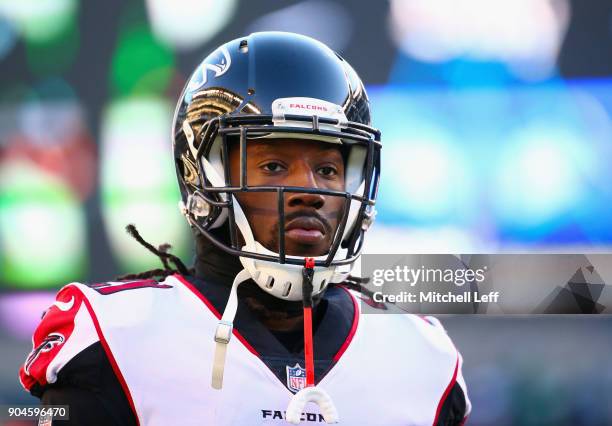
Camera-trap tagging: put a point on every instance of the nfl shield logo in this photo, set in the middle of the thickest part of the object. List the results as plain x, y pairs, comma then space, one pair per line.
296, 378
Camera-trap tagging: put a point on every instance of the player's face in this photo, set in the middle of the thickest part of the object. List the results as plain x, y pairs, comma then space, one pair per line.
310, 219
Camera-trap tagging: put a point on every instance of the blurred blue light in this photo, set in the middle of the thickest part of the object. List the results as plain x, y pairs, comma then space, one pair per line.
426, 179
8, 37
432, 173
538, 175
511, 165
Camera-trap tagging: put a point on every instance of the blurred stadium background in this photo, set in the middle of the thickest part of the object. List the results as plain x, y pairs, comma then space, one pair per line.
497, 130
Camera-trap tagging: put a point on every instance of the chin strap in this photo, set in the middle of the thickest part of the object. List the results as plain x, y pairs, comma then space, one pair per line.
224, 329
310, 393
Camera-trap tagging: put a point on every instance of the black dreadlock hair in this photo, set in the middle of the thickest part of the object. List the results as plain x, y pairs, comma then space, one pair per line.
351, 282
357, 284
162, 253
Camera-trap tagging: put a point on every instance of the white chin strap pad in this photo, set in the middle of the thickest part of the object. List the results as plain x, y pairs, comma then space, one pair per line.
285, 281
311, 394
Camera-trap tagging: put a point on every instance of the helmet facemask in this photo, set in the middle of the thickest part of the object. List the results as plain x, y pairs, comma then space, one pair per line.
212, 198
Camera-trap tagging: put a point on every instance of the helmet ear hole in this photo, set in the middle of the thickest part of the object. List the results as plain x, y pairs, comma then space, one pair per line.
270, 282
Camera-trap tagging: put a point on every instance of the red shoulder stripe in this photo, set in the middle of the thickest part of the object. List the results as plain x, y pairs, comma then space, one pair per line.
447, 391
52, 333
349, 337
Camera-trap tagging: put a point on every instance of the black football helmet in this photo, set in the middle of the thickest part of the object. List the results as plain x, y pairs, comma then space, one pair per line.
267, 85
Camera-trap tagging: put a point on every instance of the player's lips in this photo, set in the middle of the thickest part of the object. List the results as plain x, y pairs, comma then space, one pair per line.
305, 230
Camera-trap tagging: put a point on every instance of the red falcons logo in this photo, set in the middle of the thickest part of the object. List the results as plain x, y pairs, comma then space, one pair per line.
308, 106
51, 341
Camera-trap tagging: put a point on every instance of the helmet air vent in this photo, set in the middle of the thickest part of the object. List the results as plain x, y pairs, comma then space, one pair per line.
244, 46
287, 289
270, 282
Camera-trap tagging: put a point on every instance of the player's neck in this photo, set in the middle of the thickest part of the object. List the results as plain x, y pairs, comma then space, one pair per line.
275, 320
214, 264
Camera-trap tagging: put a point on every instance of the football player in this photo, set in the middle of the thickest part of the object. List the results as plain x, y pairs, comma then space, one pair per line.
278, 170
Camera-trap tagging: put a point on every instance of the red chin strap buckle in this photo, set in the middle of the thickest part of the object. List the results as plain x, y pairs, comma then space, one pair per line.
309, 262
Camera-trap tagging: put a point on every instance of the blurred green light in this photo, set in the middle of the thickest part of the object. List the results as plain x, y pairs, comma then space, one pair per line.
42, 229
138, 181
140, 64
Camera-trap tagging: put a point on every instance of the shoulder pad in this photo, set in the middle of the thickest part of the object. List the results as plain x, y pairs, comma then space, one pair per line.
66, 328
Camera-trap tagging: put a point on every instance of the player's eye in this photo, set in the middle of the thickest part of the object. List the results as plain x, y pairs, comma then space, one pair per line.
327, 171
272, 166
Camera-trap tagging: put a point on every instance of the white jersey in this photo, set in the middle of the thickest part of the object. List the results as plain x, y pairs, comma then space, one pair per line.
392, 370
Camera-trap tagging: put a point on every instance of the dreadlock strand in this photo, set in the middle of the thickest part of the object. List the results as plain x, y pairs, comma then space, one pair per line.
180, 266
163, 249
131, 229
357, 284
162, 253
359, 280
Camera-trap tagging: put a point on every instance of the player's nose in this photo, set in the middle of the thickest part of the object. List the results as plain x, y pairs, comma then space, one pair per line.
304, 176
316, 201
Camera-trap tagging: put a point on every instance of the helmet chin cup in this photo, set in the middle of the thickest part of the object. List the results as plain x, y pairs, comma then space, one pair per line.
285, 281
